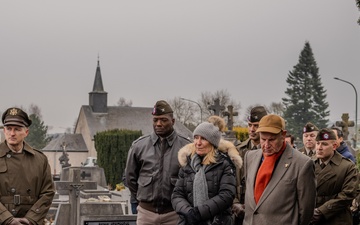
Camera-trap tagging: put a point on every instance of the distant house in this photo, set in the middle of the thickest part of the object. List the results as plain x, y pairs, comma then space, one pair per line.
97, 117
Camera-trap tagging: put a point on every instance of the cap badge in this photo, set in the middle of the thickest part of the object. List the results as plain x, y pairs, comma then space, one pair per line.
304, 129
326, 136
162, 110
13, 112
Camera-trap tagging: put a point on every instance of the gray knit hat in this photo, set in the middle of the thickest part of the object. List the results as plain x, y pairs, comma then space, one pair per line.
208, 131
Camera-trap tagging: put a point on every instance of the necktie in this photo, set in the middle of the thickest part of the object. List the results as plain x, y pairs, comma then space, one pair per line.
322, 165
311, 153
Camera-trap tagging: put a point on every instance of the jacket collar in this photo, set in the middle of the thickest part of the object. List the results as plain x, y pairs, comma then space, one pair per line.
4, 149
170, 139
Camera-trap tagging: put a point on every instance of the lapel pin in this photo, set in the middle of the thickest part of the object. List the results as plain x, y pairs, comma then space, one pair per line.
286, 165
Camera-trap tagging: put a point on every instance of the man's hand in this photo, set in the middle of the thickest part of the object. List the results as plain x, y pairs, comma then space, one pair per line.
317, 217
354, 206
19, 221
238, 209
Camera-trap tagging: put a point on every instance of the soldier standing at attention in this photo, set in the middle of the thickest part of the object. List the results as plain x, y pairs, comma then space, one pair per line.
337, 182
309, 135
26, 186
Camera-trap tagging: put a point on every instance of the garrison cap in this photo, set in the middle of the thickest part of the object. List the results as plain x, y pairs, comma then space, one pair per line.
256, 114
15, 116
326, 134
309, 127
161, 107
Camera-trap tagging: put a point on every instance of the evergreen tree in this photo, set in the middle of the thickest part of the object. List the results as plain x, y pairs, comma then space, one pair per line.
37, 137
306, 100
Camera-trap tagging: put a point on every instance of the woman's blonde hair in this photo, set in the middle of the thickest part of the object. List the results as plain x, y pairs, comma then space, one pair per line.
209, 158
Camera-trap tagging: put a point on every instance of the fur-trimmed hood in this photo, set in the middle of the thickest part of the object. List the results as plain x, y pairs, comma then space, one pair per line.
224, 146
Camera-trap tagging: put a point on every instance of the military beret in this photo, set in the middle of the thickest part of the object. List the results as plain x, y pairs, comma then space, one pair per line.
16, 116
309, 127
256, 114
326, 134
161, 107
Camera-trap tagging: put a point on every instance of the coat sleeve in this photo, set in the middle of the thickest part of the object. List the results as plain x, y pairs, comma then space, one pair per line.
132, 170
306, 190
179, 196
344, 198
38, 211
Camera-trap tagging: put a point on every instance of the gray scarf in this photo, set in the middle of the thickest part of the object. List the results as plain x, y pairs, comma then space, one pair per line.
200, 188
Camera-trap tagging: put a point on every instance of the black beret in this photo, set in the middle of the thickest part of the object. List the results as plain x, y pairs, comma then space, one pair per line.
16, 116
161, 107
326, 134
256, 114
309, 127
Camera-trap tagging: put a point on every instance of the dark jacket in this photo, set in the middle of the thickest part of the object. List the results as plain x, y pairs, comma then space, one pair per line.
220, 178
27, 178
336, 187
150, 173
343, 149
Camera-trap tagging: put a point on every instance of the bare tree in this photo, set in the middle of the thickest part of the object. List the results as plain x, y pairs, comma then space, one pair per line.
123, 102
185, 112
276, 108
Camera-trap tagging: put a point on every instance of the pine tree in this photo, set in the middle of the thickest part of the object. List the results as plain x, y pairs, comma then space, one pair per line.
306, 100
37, 137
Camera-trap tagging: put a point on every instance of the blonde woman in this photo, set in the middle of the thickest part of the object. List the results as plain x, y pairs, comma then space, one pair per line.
205, 189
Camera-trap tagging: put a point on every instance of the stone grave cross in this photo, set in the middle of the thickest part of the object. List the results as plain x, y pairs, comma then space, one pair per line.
74, 198
217, 108
230, 115
345, 124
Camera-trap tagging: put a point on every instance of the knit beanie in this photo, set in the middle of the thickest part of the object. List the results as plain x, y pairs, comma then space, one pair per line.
208, 131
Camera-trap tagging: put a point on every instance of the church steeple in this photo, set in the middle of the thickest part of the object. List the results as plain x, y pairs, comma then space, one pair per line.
98, 84
98, 97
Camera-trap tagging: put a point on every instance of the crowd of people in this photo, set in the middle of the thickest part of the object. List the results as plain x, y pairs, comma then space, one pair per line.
204, 181
264, 180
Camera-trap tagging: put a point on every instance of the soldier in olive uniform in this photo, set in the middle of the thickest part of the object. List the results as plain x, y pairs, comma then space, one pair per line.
252, 143
337, 182
152, 168
309, 135
26, 186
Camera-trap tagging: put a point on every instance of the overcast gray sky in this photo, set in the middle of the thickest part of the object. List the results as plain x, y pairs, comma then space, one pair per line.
151, 50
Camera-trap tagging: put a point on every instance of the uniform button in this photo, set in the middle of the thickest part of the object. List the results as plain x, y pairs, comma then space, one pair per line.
37, 210
8, 155
12, 190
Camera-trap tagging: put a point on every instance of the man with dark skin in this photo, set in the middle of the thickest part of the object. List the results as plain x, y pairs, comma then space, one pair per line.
152, 168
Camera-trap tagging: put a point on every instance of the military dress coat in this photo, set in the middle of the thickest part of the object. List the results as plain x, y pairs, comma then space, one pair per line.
26, 185
336, 187
289, 197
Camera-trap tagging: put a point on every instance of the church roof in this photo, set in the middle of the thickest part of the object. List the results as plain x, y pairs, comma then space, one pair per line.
73, 142
123, 117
